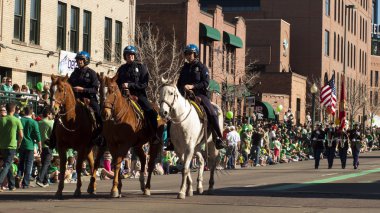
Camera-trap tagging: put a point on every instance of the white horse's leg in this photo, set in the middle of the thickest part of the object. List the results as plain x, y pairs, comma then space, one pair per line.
213, 154
185, 172
200, 173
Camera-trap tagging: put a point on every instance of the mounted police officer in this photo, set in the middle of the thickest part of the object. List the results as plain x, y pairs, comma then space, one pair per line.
318, 137
85, 84
134, 76
355, 139
342, 141
194, 76
330, 145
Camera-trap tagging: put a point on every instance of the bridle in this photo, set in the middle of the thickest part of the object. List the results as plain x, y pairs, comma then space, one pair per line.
171, 108
108, 105
61, 104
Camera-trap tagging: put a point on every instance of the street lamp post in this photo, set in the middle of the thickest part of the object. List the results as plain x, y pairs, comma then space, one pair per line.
313, 90
364, 118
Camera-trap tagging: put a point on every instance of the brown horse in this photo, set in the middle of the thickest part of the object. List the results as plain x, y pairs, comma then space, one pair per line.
73, 129
122, 130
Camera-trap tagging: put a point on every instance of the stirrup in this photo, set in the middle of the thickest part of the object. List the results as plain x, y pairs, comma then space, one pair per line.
170, 147
219, 143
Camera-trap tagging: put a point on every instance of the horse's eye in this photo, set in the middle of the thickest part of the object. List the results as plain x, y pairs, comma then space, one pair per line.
171, 93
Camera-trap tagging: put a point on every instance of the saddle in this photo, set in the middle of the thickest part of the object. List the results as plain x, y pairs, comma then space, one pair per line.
135, 106
86, 104
196, 102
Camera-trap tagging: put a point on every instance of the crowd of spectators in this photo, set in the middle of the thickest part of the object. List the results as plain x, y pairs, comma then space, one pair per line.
26, 159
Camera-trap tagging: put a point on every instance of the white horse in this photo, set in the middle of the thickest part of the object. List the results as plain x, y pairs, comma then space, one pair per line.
187, 136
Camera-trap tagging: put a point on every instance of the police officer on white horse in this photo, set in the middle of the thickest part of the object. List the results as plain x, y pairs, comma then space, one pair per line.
194, 77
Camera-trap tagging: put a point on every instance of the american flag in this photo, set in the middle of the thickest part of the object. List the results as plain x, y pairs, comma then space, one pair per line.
328, 95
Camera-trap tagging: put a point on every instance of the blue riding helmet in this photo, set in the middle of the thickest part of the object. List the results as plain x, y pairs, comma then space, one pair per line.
192, 48
83, 55
130, 50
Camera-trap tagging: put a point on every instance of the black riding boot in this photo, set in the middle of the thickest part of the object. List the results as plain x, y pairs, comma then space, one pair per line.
219, 143
169, 145
97, 137
152, 116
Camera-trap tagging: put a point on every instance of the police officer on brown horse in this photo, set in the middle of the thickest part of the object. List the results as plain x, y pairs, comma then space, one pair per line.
134, 77
194, 77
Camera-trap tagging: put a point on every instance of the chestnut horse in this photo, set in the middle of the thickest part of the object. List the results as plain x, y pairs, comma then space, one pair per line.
123, 129
73, 129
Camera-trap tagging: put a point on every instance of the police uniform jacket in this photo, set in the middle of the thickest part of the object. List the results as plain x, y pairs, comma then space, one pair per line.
194, 74
137, 77
318, 137
85, 77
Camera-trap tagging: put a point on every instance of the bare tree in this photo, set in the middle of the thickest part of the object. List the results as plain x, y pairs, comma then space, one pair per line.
355, 102
162, 57
373, 105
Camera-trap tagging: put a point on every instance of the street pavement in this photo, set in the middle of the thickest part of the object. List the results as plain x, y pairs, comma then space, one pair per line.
291, 187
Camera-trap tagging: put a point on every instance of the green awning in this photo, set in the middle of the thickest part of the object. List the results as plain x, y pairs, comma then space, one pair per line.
270, 111
232, 40
265, 109
213, 86
209, 32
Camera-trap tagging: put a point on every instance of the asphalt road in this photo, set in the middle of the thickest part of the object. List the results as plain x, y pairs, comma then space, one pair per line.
292, 187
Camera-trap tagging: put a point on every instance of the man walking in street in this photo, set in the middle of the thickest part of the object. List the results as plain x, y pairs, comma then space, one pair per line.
46, 127
356, 139
233, 139
257, 143
31, 135
11, 135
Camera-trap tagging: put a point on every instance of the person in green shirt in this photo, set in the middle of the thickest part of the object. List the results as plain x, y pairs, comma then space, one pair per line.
11, 135
46, 127
7, 87
31, 136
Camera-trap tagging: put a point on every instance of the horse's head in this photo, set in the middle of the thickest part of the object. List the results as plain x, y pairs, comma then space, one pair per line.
109, 93
58, 92
168, 95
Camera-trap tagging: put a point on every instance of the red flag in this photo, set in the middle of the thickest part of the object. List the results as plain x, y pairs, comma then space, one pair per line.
342, 106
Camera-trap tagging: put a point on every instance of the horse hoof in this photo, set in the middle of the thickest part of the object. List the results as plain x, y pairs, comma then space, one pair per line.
200, 191
91, 191
189, 193
147, 192
59, 196
210, 192
77, 193
181, 196
115, 194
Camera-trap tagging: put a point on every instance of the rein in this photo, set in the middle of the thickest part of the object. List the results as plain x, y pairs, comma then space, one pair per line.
120, 114
60, 115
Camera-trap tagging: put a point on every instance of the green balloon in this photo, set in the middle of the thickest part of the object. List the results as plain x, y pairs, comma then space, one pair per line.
250, 127
229, 115
279, 108
40, 86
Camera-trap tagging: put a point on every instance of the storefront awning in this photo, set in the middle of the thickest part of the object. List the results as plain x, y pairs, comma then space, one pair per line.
209, 32
213, 86
265, 109
232, 40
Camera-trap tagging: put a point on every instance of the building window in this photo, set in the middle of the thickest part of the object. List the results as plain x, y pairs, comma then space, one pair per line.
87, 31
338, 52
32, 78
376, 78
334, 10
35, 14
61, 26
19, 21
327, 7
339, 11
354, 57
118, 40
327, 43
74, 29
107, 39
334, 45
348, 54
341, 49
371, 78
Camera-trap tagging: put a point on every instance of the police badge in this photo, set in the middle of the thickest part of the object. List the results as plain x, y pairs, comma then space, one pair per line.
87, 75
137, 69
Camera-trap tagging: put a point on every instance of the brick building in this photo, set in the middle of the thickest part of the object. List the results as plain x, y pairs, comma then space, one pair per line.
32, 33
317, 36
221, 43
